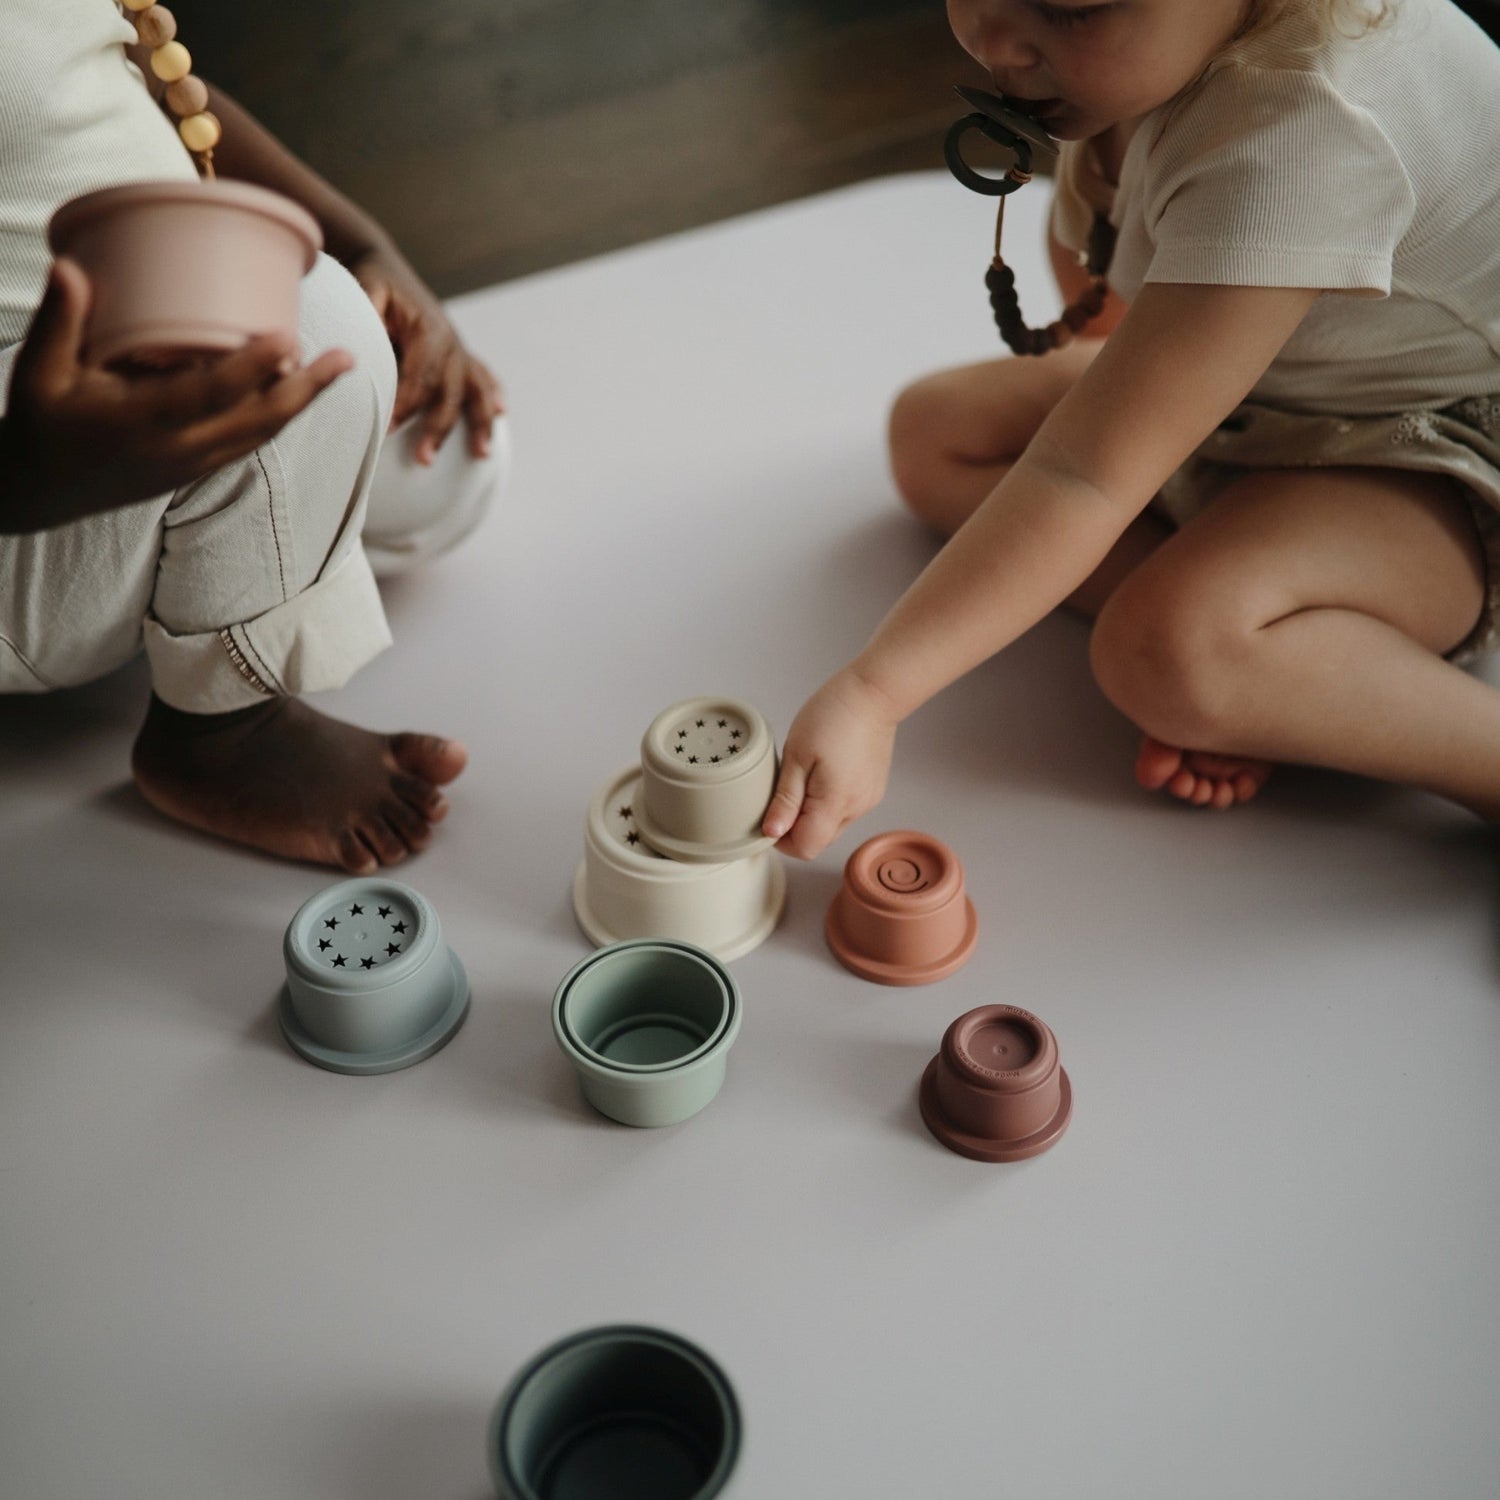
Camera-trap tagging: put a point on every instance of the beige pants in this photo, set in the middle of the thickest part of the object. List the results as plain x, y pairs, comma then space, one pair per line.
1462, 440
251, 581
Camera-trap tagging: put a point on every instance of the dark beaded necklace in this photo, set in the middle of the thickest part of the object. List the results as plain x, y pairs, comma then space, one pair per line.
1002, 123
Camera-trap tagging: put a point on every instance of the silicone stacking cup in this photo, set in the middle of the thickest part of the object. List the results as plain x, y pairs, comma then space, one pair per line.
708, 768
996, 1090
620, 1413
901, 915
370, 984
186, 268
648, 1026
625, 889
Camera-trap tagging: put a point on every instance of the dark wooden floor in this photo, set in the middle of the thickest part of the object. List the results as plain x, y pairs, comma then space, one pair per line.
496, 137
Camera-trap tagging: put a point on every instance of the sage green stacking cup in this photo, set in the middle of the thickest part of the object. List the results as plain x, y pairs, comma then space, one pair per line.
371, 985
648, 1026
619, 1413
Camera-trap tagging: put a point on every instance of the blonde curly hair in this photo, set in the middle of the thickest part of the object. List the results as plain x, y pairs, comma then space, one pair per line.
1331, 18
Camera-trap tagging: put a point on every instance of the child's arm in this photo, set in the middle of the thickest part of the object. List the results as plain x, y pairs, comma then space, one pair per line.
1180, 361
438, 376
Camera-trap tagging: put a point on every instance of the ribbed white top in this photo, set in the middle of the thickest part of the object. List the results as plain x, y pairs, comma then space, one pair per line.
1365, 166
75, 115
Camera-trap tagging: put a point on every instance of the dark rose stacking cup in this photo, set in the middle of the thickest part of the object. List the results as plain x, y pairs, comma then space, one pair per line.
996, 1090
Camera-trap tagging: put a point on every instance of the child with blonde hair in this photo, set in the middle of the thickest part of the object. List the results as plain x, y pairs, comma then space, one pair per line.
1270, 467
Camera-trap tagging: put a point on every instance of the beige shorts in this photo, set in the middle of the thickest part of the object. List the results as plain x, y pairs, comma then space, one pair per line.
1462, 440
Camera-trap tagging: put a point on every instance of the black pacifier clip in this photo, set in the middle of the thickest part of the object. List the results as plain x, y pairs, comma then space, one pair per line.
1001, 122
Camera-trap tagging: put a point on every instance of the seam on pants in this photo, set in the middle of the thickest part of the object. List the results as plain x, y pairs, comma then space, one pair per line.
26, 661
241, 636
243, 667
271, 511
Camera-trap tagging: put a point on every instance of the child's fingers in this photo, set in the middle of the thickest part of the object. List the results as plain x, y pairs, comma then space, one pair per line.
483, 377
442, 415
417, 374
482, 405
378, 290
188, 396
818, 824
53, 350
231, 434
479, 416
786, 800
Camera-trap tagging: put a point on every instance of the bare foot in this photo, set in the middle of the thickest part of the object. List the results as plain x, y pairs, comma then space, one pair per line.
1196, 776
288, 780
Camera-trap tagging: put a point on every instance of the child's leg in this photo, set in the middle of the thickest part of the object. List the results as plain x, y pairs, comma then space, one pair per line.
1303, 617
953, 436
251, 588
263, 593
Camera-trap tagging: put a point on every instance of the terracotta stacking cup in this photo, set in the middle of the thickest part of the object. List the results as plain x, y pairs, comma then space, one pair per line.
370, 984
648, 1026
708, 768
619, 1413
901, 915
625, 889
996, 1090
186, 268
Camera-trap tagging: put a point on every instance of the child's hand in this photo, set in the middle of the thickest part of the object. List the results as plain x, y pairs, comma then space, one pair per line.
77, 439
833, 767
438, 375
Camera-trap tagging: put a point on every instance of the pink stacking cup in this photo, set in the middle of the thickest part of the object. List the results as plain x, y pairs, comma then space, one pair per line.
181, 269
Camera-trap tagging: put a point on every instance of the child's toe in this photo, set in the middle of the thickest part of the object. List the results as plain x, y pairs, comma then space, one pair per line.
354, 855
429, 756
1156, 764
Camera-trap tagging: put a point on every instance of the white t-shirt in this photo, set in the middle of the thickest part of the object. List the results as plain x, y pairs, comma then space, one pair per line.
75, 115
1368, 166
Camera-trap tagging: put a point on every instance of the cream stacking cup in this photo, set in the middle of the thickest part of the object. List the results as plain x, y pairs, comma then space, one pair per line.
186, 268
370, 984
648, 1026
625, 889
708, 769
618, 1413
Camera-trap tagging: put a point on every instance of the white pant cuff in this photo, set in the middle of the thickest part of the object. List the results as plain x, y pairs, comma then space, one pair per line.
310, 643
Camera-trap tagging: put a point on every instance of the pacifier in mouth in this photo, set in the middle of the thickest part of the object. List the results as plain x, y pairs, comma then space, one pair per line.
1008, 124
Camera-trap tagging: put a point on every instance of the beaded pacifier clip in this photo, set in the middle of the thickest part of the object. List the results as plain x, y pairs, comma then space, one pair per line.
187, 97
998, 120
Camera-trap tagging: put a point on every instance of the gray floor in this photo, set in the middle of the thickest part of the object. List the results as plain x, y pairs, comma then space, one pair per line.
1261, 1262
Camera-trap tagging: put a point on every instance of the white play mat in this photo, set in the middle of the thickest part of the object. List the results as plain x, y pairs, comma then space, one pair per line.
1263, 1261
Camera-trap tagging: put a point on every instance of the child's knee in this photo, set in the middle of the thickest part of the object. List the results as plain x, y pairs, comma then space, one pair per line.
417, 511
916, 433
1170, 657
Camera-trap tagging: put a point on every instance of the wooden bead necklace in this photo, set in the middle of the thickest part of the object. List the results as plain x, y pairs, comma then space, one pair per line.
1019, 134
187, 97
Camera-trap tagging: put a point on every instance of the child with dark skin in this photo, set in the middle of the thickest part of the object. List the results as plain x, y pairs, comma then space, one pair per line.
77, 439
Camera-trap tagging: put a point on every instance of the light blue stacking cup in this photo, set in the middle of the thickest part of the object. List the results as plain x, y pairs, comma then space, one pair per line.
648, 1026
370, 984
621, 1413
